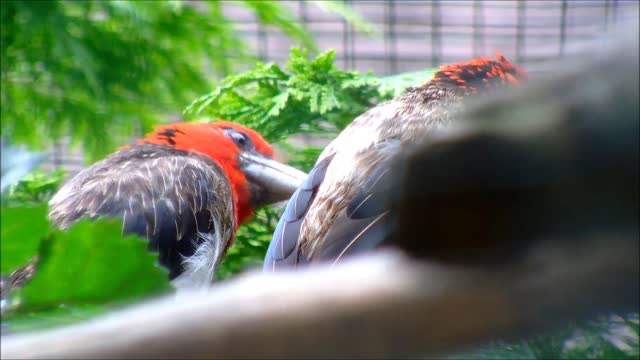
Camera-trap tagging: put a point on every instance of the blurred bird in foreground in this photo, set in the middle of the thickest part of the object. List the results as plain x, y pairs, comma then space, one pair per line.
186, 187
559, 161
343, 207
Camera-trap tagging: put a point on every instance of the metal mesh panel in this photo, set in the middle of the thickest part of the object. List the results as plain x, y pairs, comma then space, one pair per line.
415, 35
418, 34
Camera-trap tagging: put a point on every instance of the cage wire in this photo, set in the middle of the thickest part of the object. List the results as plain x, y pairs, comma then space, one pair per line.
414, 35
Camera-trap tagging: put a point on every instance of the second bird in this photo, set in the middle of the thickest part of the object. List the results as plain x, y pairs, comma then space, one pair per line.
344, 205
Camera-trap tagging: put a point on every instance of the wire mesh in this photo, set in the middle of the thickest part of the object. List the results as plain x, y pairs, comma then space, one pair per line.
414, 35
419, 34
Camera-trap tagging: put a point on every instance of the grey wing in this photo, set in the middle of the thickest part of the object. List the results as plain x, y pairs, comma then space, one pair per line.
168, 196
365, 223
284, 247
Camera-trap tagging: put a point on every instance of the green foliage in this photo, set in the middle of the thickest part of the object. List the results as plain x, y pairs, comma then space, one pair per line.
37, 320
615, 337
301, 98
353, 18
302, 159
79, 273
91, 68
24, 211
35, 188
250, 246
93, 263
273, 14
22, 229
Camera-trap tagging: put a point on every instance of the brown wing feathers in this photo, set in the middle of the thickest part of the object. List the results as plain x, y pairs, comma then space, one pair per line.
163, 194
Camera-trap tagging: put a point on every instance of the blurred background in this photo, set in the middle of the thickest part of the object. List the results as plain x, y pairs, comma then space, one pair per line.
79, 60
414, 35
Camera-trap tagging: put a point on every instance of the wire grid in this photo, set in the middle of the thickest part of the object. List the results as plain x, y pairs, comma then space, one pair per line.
414, 35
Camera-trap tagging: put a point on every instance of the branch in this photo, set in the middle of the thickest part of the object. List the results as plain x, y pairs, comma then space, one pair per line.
377, 306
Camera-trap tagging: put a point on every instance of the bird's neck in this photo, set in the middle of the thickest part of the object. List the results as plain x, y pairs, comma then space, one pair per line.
240, 191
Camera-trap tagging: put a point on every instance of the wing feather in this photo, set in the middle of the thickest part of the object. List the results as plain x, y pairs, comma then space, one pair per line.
283, 249
166, 195
363, 224
366, 222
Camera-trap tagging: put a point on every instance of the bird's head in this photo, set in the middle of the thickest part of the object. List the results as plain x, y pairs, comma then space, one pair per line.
479, 75
246, 158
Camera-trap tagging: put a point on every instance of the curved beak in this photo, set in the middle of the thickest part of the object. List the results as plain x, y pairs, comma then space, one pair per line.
270, 181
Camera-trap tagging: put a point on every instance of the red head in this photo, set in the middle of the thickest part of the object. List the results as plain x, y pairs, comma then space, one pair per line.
243, 154
480, 74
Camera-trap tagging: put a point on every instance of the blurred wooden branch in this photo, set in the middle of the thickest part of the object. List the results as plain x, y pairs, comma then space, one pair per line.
387, 305
379, 306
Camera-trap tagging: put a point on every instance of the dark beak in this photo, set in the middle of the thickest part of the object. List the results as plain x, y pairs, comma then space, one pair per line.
270, 181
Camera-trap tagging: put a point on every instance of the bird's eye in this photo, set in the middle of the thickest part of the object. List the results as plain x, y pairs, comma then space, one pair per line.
239, 138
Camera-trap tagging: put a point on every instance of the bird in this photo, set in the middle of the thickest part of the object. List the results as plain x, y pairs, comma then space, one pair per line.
343, 207
186, 187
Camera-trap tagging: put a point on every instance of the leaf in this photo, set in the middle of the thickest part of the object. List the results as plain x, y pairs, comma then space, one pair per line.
329, 101
346, 12
250, 246
613, 338
93, 263
35, 188
23, 227
279, 102
274, 14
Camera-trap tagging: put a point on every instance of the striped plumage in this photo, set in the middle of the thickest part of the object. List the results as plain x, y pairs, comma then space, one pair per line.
343, 207
186, 187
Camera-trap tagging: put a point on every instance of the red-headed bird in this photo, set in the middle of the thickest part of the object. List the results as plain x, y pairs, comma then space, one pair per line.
186, 187
343, 206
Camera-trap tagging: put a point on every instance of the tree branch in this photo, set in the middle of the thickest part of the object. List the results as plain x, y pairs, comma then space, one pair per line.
377, 306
